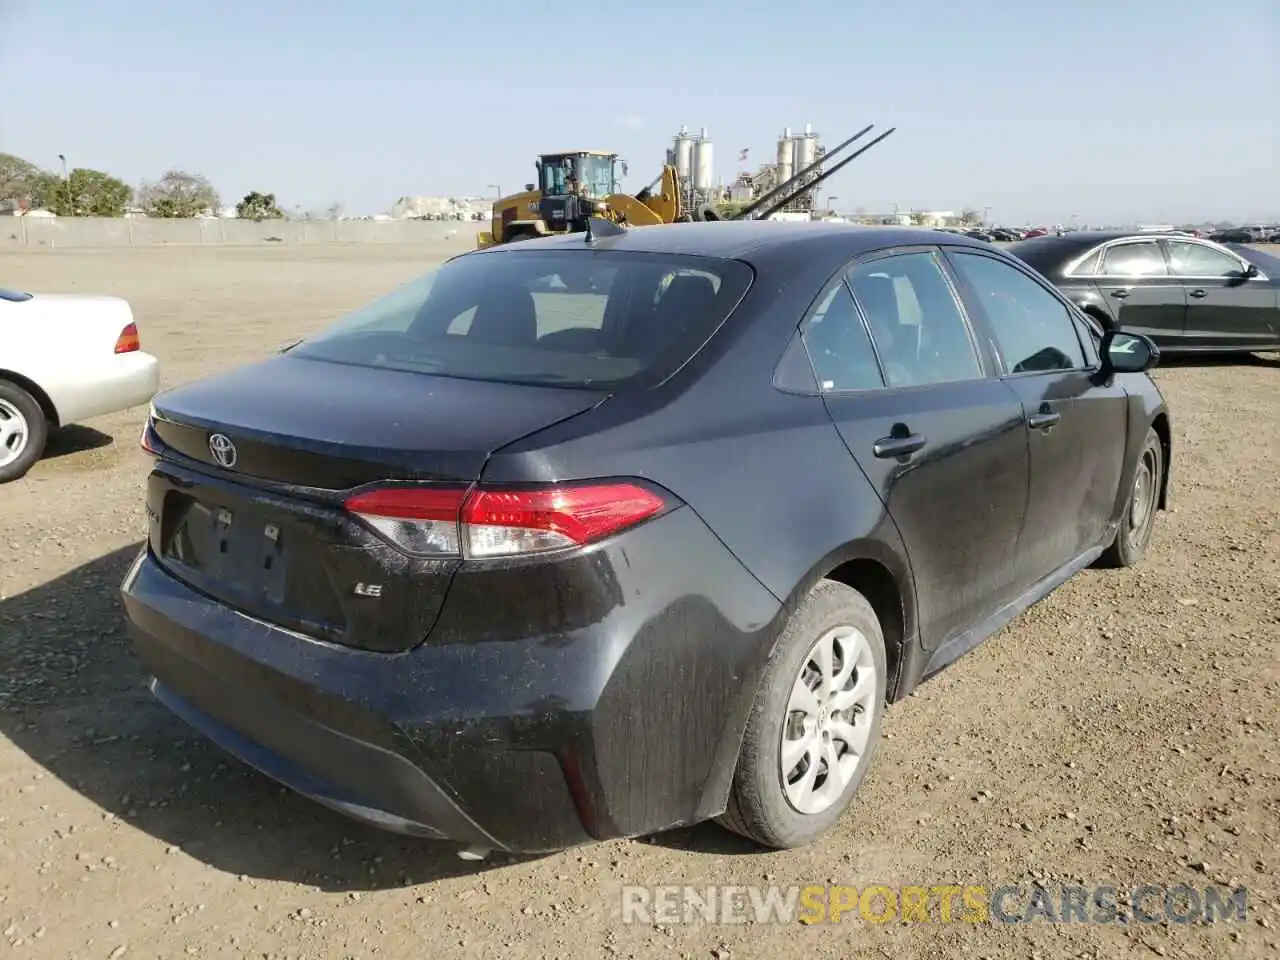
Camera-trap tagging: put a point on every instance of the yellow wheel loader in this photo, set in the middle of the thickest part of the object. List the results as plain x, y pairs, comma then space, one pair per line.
577, 186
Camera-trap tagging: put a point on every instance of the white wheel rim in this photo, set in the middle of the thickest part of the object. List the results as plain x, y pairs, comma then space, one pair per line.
15, 433
828, 723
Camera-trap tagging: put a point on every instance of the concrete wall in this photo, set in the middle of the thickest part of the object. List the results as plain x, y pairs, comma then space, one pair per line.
95, 232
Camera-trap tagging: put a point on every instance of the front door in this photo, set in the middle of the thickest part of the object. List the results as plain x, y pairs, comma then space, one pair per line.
1076, 426
1134, 282
1225, 310
942, 442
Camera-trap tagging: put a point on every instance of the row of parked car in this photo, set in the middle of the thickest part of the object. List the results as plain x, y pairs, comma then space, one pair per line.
1254, 234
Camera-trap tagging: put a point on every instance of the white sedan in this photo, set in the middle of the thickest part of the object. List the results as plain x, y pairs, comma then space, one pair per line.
64, 359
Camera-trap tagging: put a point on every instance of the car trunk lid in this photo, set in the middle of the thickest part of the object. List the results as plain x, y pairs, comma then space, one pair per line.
260, 526
336, 426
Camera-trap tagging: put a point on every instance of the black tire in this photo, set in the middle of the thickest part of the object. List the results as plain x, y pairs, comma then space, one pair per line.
705, 212
1131, 540
14, 401
759, 807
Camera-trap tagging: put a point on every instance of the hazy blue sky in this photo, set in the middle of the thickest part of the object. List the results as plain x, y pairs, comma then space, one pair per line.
1156, 110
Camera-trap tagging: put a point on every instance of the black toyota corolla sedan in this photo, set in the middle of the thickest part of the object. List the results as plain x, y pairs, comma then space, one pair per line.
1185, 293
578, 539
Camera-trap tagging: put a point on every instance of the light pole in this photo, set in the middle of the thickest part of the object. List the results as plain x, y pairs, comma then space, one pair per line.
830, 207
986, 216
497, 188
66, 183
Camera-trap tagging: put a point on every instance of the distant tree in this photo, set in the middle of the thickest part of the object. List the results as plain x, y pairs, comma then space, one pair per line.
918, 218
970, 217
178, 194
334, 211
259, 206
85, 193
15, 177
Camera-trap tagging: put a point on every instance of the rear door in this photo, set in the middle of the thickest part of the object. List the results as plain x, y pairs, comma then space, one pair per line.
1224, 308
942, 442
1133, 279
1076, 424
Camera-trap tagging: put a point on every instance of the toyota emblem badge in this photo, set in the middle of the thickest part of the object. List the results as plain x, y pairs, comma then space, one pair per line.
223, 450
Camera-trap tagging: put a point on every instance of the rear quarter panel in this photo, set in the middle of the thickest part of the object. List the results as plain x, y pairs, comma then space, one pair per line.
766, 470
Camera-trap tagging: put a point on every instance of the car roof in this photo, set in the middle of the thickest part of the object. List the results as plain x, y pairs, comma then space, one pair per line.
750, 240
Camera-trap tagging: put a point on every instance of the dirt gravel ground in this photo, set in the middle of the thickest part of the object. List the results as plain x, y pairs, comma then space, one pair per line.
1123, 732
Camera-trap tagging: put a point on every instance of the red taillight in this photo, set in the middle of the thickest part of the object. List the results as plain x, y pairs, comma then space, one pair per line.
419, 520
128, 341
437, 521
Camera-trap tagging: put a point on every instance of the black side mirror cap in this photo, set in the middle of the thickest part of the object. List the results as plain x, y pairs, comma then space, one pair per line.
1250, 271
1122, 352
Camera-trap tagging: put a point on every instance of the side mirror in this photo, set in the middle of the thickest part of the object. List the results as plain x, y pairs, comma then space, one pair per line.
1250, 271
1127, 352
528, 187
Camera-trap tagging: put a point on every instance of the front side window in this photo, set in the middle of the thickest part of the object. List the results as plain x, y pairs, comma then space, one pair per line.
1142, 259
1034, 332
1197, 260
917, 325
585, 319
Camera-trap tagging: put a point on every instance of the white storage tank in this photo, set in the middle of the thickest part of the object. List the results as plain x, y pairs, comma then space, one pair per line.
806, 150
704, 164
683, 153
786, 158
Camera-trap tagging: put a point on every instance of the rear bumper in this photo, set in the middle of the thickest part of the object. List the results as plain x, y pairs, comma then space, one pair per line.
127, 380
625, 721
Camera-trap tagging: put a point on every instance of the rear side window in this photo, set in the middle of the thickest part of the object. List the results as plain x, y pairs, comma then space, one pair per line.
572, 318
1089, 266
915, 320
838, 345
1142, 259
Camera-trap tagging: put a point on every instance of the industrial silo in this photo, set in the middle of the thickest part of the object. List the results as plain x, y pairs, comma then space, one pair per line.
703, 163
682, 151
786, 157
806, 148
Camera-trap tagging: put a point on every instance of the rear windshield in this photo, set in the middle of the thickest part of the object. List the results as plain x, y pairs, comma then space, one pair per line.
576, 318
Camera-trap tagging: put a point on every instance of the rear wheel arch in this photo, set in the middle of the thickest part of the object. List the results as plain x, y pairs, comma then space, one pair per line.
875, 582
872, 569
46, 404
